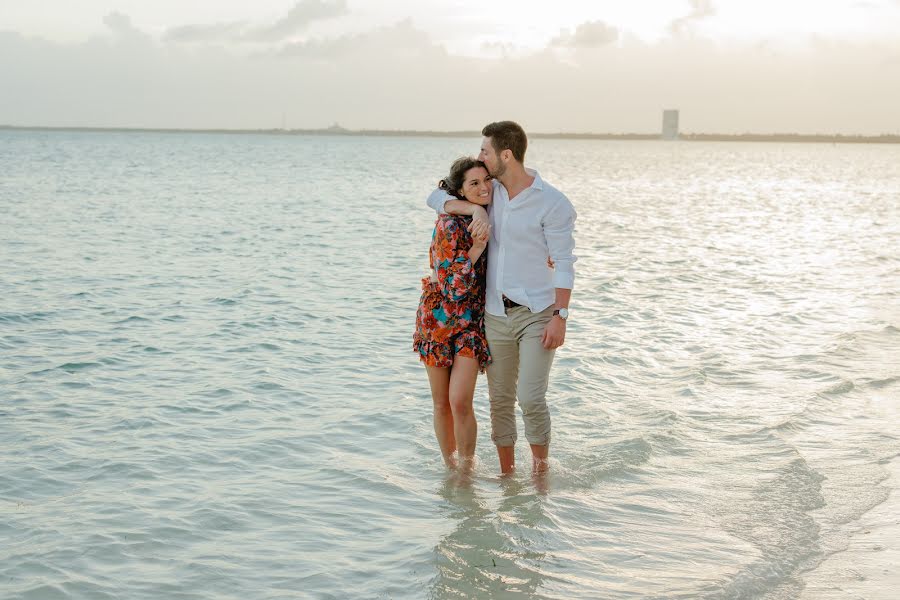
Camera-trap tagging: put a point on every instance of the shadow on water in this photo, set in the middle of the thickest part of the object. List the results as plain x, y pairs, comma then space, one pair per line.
494, 551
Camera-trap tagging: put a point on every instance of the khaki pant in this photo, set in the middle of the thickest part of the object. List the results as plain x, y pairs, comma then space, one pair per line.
520, 369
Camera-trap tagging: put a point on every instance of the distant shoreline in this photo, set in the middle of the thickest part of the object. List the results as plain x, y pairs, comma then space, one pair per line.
339, 131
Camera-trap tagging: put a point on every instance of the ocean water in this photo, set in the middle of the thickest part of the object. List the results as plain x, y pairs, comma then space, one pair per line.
207, 387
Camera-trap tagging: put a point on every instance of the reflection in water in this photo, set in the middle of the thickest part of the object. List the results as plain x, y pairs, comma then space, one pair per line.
733, 364
492, 552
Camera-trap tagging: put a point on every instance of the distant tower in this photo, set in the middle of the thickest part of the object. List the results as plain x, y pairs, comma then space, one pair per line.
336, 128
670, 125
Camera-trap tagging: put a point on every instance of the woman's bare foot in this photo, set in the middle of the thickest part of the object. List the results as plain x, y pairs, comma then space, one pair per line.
452, 461
466, 464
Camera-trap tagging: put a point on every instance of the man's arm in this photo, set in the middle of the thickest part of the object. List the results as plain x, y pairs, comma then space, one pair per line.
554, 334
559, 230
437, 199
563, 295
444, 203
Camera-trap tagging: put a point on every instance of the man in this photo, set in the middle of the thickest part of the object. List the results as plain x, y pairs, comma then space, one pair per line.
527, 302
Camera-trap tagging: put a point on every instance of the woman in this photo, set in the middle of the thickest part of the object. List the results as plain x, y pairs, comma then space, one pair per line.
450, 320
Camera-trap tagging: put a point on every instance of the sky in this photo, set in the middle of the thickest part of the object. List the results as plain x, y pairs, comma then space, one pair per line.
729, 66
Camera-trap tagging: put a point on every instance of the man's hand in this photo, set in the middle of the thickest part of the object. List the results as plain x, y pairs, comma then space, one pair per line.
554, 333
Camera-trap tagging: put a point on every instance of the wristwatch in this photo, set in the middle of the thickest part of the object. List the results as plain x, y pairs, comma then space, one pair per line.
562, 313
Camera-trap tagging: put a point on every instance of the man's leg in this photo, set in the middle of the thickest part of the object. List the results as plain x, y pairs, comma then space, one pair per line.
502, 375
534, 365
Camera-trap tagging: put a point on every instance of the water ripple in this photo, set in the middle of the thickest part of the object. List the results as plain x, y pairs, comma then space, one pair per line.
208, 389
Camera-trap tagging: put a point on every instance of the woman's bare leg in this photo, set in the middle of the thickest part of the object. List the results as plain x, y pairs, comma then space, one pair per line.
462, 391
439, 378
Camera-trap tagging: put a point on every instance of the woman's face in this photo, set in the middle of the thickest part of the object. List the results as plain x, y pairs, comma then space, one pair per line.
477, 187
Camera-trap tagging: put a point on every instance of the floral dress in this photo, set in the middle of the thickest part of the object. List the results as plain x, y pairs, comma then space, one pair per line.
450, 318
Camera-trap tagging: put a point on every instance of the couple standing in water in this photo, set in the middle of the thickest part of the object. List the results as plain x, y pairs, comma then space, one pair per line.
493, 300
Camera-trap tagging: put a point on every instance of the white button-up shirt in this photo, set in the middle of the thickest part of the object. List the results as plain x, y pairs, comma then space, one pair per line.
537, 223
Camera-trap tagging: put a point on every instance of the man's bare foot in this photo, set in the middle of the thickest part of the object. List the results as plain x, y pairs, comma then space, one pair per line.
541, 481
540, 465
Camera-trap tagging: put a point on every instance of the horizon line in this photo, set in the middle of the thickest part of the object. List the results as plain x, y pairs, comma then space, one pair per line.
337, 130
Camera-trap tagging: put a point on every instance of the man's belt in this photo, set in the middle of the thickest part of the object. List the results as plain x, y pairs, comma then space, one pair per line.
507, 303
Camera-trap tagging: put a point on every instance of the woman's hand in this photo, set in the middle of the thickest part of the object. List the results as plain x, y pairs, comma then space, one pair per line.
480, 230
480, 219
479, 214
480, 238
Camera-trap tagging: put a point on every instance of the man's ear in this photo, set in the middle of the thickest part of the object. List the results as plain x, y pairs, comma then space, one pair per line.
506, 154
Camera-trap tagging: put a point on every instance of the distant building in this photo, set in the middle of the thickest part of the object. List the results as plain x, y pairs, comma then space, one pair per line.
670, 125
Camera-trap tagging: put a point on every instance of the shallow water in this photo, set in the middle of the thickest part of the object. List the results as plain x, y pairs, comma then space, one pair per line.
207, 388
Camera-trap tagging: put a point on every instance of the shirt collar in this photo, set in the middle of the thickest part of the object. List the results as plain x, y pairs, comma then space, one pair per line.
538, 183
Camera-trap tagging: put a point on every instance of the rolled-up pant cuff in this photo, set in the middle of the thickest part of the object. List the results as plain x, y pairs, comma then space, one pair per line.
539, 440
505, 441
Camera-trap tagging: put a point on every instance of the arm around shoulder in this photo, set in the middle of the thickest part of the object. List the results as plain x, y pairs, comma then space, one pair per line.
444, 203
438, 199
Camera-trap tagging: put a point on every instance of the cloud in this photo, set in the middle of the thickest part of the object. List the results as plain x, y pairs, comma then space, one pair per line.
384, 43
296, 20
876, 4
700, 9
205, 33
121, 25
399, 77
592, 34
495, 49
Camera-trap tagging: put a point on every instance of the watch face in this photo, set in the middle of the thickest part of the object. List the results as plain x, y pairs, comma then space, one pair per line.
564, 313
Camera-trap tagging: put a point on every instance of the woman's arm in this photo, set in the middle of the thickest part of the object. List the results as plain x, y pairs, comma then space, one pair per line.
480, 239
453, 266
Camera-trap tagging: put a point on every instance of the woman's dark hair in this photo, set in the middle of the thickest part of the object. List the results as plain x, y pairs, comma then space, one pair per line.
453, 182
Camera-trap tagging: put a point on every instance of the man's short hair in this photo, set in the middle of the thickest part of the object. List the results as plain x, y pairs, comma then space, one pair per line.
507, 135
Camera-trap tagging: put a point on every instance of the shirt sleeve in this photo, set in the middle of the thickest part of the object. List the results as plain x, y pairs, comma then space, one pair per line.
455, 272
559, 231
437, 199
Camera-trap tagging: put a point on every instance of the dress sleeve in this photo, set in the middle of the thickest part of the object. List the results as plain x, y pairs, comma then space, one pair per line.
455, 272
